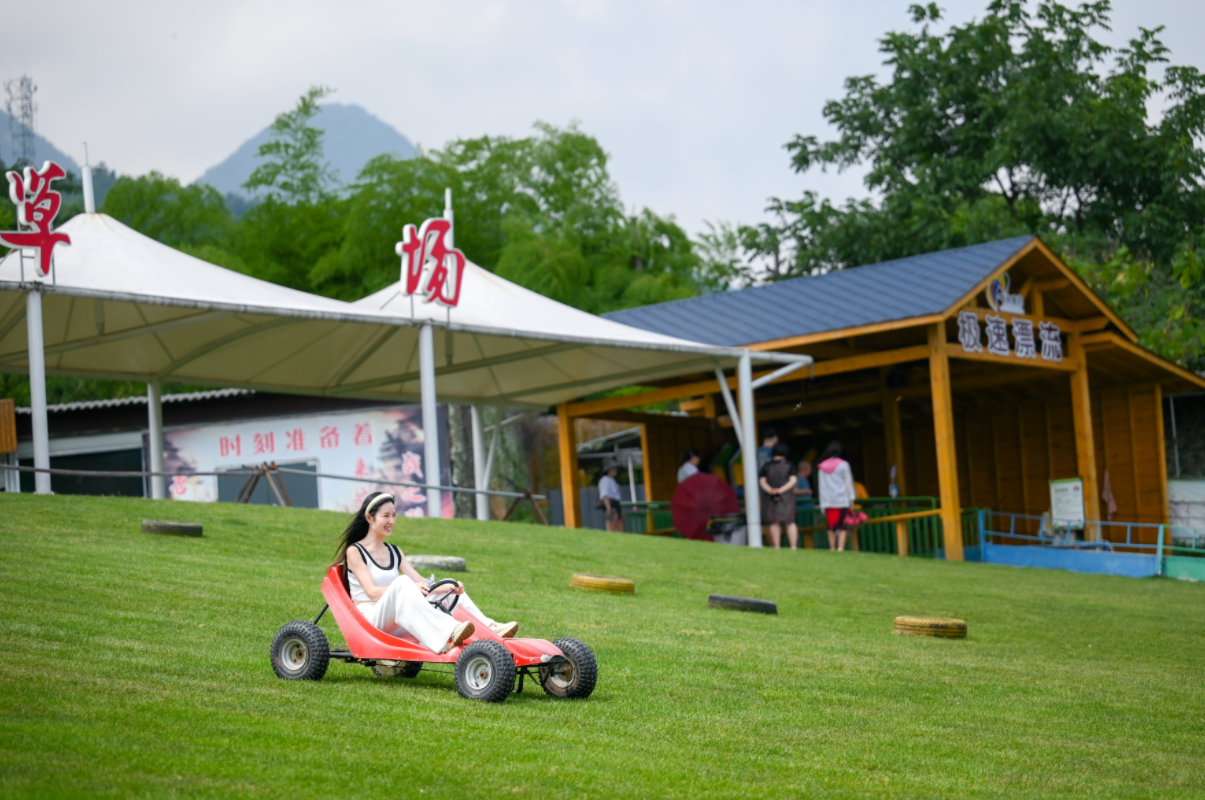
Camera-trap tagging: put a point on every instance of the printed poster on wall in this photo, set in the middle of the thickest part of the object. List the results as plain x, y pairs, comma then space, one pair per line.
375, 445
1067, 503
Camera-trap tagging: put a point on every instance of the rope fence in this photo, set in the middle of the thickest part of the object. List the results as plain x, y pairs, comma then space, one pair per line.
93, 473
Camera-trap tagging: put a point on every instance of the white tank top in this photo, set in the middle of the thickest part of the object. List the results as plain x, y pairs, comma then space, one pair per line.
381, 576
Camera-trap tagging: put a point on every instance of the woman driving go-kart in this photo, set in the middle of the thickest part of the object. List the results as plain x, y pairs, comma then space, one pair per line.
395, 621
390, 594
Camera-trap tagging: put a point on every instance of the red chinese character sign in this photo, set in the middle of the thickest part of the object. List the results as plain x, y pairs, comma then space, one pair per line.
429, 266
37, 206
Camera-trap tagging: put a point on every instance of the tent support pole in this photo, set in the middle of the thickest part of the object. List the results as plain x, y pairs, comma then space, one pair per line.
154, 413
479, 481
37, 389
744, 372
426, 368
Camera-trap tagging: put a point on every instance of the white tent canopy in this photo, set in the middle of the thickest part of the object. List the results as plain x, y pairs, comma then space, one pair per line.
120, 305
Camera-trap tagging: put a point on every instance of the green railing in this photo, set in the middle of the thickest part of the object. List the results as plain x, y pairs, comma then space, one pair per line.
638, 516
924, 533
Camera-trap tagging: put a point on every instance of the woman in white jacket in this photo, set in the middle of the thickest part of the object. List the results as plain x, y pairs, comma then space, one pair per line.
836, 483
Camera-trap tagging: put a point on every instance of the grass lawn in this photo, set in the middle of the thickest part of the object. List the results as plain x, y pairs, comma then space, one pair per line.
138, 665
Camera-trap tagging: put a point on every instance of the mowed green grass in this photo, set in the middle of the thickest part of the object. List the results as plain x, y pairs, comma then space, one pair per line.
138, 665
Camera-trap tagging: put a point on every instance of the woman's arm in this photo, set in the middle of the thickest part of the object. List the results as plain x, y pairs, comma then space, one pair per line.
765, 485
411, 573
355, 563
789, 485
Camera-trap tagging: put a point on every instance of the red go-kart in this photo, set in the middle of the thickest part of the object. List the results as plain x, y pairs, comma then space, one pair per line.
486, 666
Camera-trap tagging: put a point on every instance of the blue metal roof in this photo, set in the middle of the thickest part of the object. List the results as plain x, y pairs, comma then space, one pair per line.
892, 290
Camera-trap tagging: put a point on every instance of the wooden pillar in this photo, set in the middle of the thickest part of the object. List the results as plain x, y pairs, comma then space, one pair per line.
894, 439
943, 434
901, 537
570, 496
1085, 445
648, 474
1161, 447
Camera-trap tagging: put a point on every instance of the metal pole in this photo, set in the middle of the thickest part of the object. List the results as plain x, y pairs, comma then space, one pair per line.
154, 416
483, 501
744, 374
426, 371
89, 196
37, 389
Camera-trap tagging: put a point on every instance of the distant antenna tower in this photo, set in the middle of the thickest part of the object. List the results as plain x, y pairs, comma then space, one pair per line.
21, 107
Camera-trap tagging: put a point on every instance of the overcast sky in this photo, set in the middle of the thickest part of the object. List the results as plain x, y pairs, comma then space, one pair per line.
693, 100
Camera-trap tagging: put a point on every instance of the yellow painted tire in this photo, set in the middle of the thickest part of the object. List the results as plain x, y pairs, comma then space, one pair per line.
602, 583
932, 626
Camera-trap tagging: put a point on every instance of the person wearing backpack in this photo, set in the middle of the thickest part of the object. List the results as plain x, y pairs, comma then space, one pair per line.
836, 483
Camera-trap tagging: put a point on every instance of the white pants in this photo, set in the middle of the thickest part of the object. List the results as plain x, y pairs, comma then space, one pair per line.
405, 609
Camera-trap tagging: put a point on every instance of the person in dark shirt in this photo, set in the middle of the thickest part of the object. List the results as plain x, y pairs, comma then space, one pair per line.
777, 483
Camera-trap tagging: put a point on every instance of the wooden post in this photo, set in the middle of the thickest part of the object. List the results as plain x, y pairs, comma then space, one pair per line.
1161, 447
8, 426
901, 537
1085, 445
895, 440
943, 434
570, 497
648, 475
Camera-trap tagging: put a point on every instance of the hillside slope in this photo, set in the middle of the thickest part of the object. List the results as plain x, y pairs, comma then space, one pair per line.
138, 665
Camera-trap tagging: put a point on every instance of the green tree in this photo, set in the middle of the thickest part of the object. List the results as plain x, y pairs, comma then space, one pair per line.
1021, 122
294, 170
178, 216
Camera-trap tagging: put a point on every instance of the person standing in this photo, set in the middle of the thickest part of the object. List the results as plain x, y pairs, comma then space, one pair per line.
689, 464
836, 484
766, 451
777, 483
610, 498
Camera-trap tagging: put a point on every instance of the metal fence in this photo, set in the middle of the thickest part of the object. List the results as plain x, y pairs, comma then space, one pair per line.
1133, 548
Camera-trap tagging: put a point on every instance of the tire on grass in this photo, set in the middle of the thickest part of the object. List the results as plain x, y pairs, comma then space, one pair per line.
437, 563
406, 669
602, 583
575, 679
300, 652
931, 626
733, 603
168, 528
485, 671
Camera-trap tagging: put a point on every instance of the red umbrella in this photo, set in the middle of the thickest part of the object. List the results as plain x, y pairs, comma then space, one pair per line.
697, 499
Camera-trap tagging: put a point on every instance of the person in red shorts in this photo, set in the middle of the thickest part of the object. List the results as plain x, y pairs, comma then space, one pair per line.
837, 494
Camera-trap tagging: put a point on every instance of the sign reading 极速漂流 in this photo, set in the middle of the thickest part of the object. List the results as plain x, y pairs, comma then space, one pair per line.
970, 335
37, 206
429, 266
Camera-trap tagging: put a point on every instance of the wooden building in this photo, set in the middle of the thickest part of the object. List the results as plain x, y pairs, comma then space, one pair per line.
980, 373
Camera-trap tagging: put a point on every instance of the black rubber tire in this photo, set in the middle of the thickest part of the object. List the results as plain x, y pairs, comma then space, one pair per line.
485, 671
584, 666
168, 528
742, 604
407, 669
300, 652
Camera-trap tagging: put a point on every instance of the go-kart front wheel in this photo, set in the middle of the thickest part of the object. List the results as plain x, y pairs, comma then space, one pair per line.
300, 652
485, 671
574, 677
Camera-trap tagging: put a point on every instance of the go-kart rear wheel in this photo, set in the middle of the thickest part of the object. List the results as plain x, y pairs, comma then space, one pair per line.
572, 678
485, 671
300, 652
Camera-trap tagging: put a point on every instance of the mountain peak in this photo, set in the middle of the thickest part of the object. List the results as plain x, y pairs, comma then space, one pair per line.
352, 137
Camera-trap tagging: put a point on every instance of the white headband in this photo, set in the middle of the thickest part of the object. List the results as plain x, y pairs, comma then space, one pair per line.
376, 501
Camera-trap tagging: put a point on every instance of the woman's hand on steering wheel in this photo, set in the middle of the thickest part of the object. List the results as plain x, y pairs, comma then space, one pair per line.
451, 594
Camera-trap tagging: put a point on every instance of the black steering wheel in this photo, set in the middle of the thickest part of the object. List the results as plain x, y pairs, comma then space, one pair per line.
442, 603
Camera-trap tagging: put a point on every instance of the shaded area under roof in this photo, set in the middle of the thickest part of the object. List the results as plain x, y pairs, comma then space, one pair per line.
892, 290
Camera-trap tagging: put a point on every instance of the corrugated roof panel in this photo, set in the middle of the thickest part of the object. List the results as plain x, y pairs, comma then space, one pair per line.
892, 290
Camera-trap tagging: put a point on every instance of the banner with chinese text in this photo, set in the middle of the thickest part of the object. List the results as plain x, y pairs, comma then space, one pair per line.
376, 445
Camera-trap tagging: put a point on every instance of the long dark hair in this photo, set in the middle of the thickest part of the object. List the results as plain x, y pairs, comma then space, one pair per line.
688, 455
832, 451
356, 530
